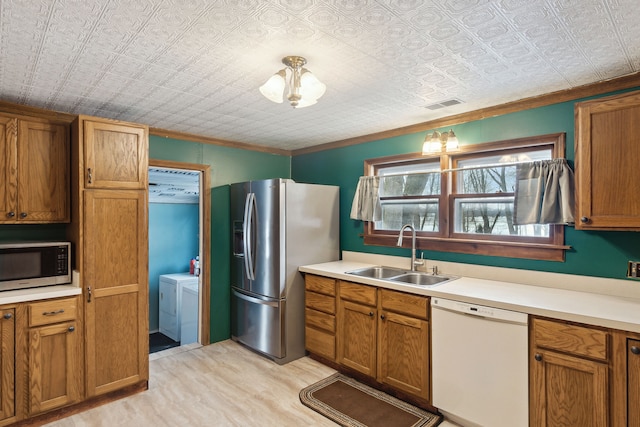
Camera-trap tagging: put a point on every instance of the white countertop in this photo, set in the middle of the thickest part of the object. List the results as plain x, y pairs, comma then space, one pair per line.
613, 311
34, 294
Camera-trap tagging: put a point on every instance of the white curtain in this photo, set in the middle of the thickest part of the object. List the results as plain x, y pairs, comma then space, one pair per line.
366, 201
544, 193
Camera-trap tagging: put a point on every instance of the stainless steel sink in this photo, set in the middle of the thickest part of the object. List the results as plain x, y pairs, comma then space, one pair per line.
399, 275
421, 279
378, 272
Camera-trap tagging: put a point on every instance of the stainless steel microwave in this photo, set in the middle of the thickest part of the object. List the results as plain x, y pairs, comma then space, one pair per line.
34, 264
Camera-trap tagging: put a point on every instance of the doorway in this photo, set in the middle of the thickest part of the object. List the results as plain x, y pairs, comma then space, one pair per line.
179, 231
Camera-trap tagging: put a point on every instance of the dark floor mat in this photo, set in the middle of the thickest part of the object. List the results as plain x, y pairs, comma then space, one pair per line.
159, 342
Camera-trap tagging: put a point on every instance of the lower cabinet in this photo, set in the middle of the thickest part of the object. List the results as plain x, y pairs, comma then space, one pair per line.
320, 316
54, 353
40, 357
7, 364
632, 375
626, 384
357, 314
404, 343
583, 375
380, 333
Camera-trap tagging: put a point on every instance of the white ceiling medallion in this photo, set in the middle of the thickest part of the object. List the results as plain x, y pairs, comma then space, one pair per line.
304, 88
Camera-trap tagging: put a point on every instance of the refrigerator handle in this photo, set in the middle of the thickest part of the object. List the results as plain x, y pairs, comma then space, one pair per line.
270, 303
249, 204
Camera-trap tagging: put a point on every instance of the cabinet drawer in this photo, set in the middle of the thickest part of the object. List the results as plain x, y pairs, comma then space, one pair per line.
358, 293
400, 302
322, 285
46, 312
320, 302
320, 320
573, 339
320, 343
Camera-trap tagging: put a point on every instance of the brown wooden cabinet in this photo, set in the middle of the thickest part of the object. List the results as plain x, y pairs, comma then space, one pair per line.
633, 382
357, 327
403, 342
569, 368
625, 398
7, 364
381, 333
111, 236
607, 173
320, 316
55, 354
34, 167
115, 155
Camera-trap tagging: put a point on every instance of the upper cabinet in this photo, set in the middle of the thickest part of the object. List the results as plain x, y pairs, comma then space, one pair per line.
34, 166
607, 172
115, 155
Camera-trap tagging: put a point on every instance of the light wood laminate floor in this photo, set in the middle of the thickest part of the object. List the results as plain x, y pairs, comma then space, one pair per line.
223, 384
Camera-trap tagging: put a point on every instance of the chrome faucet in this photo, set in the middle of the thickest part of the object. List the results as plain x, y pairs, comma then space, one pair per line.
414, 262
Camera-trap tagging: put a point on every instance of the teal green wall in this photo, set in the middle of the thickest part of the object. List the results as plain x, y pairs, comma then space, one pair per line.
26, 232
228, 165
593, 253
173, 242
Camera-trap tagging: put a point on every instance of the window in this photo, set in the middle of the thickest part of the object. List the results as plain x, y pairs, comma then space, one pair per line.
463, 201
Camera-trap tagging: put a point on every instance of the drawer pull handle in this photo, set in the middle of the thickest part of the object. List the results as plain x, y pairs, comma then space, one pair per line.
88, 293
635, 350
371, 314
584, 219
71, 328
53, 313
90, 176
23, 214
538, 357
7, 316
11, 214
382, 316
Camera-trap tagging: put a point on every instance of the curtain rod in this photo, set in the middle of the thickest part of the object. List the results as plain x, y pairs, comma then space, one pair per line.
493, 165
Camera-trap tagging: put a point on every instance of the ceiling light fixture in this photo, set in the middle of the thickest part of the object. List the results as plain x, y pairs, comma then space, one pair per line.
439, 142
304, 88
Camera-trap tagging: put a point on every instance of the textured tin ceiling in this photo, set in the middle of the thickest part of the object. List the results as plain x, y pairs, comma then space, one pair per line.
195, 66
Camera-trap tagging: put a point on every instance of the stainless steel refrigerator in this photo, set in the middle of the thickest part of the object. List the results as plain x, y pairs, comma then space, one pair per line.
277, 226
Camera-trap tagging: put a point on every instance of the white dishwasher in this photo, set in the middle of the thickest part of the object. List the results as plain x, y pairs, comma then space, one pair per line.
480, 371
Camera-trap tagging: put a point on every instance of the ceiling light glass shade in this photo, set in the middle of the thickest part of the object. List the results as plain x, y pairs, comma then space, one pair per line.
310, 87
273, 89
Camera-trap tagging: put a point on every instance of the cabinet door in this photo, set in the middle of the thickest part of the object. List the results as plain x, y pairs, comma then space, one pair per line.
115, 155
7, 363
607, 132
633, 383
43, 172
403, 353
568, 391
115, 281
8, 169
357, 337
54, 367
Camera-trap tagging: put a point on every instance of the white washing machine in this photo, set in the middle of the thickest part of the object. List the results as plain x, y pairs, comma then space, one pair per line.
170, 302
189, 314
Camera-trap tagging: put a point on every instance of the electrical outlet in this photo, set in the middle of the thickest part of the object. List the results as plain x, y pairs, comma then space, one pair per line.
633, 270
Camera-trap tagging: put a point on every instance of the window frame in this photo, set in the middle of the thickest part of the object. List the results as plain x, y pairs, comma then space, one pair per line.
446, 240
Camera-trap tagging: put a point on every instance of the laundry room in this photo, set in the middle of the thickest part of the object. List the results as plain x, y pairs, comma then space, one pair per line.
174, 224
